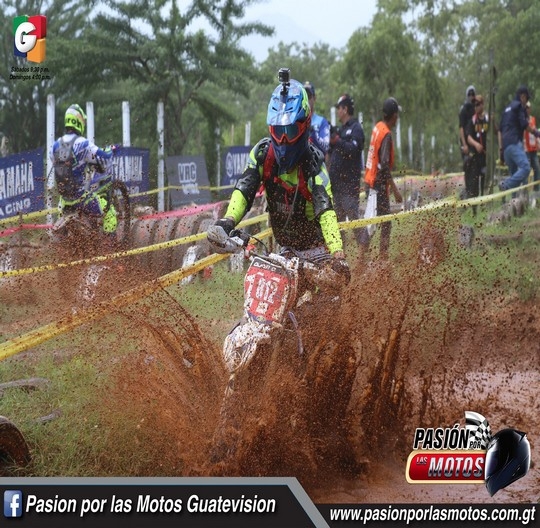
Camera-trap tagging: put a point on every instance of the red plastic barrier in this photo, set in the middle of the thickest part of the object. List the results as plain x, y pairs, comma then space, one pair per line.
12, 230
188, 211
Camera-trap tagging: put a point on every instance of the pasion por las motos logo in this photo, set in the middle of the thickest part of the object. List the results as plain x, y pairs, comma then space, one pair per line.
30, 34
472, 454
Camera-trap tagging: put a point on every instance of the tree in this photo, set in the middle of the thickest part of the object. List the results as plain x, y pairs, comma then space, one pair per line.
386, 60
23, 101
147, 48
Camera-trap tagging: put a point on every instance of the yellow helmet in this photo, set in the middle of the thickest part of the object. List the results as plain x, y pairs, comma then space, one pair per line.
75, 119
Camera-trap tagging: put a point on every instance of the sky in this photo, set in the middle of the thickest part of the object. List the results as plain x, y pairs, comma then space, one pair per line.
308, 21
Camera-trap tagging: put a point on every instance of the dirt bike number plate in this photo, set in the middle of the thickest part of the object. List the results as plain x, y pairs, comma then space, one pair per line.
268, 291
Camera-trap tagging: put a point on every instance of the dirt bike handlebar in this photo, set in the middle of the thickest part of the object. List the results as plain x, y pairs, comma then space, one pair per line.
323, 275
235, 242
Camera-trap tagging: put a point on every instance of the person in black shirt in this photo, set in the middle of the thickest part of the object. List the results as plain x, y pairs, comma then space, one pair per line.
465, 115
476, 135
345, 155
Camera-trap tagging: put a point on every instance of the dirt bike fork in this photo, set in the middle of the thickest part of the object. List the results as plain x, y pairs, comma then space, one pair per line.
296, 327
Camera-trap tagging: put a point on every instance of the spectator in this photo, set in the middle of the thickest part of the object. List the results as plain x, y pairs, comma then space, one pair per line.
514, 123
531, 146
476, 135
465, 115
319, 134
380, 160
345, 154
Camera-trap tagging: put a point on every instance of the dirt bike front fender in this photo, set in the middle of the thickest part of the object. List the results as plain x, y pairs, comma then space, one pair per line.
241, 344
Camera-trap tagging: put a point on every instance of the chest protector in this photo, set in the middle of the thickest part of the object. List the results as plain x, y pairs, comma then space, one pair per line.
287, 205
64, 161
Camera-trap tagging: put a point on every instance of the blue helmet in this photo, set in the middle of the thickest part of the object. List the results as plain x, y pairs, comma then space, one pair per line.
289, 121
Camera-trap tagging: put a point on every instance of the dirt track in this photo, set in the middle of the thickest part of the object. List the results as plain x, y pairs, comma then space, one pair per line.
484, 360
455, 352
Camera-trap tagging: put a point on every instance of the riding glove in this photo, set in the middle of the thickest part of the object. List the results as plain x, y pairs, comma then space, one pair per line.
226, 223
341, 267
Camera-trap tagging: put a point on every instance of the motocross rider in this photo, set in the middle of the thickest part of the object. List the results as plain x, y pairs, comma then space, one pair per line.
76, 184
296, 181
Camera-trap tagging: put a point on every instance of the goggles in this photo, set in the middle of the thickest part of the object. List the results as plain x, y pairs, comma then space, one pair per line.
288, 133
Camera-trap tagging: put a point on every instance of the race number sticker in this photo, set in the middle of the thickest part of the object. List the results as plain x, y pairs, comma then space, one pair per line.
267, 291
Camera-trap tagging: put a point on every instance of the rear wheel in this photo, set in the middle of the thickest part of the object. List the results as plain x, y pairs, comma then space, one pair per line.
119, 196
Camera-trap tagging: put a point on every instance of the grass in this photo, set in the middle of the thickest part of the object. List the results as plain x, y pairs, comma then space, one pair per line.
90, 440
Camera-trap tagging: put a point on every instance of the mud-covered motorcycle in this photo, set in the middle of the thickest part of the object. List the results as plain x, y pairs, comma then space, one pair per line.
291, 368
76, 235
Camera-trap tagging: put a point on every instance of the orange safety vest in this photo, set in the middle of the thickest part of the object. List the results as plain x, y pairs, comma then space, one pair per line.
530, 139
373, 162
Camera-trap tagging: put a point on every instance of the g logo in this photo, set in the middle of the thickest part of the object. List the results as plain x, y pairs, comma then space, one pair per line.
30, 34
24, 42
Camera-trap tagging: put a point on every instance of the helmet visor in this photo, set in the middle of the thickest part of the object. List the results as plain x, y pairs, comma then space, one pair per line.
494, 460
282, 134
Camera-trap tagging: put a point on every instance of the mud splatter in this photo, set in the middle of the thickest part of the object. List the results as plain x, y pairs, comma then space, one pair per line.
409, 346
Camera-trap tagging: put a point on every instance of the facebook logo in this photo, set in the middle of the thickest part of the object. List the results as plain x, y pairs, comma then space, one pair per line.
13, 500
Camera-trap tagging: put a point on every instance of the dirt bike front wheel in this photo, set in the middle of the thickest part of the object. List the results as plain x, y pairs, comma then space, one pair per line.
119, 197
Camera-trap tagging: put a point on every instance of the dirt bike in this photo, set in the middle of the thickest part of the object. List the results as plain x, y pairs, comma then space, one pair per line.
283, 350
76, 235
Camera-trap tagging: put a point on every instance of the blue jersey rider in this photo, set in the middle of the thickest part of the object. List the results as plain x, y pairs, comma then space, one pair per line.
73, 156
295, 179
320, 127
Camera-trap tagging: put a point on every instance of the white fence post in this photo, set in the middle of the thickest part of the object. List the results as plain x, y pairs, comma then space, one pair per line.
247, 136
422, 153
126, 124
161, 155
48, 163
90, 121
410, 145
398, 139
217, 132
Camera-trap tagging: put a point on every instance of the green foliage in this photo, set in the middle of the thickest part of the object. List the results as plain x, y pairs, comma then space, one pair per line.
424, 52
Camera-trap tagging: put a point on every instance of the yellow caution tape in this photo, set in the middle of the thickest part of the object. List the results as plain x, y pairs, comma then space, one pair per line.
35, 337
121, 254
40, 335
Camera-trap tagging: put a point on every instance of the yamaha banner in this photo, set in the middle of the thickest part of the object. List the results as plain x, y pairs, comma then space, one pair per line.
22, 178
131, 165
234, 163
188, 180
22, 183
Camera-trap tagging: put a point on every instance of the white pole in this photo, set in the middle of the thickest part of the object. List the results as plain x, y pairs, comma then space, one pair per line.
126, 137
247, 136
161, 155
433, 154
48, 164
398, 138
410, 146
333, 116
218, 156
422, 153
90, 122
